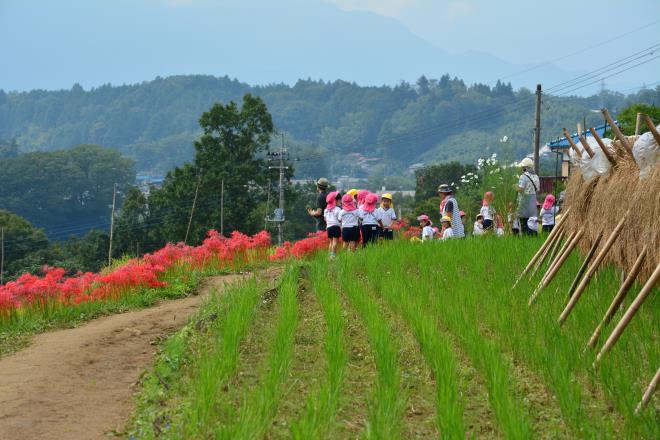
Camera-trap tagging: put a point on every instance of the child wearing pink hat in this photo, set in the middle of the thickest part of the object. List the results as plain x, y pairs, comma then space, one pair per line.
548, 213
348, 217
333, 225
369, 219
428, 232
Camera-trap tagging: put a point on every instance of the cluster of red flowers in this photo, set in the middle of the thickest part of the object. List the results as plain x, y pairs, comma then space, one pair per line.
301, 248
215, 251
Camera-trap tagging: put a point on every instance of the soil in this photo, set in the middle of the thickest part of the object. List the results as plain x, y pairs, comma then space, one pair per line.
79, 383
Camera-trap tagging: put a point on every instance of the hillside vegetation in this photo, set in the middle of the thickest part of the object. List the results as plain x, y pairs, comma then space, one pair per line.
155, 122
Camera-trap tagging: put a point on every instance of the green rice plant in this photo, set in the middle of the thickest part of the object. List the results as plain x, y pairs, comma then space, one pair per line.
393, 285
387, 402
219, 361
260, 404
322, 406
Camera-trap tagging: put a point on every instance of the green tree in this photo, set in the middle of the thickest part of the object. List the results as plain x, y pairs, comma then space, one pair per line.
21, 239
628, 117
430, 177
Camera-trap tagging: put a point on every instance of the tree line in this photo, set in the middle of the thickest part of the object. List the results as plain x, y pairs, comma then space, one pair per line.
431, 120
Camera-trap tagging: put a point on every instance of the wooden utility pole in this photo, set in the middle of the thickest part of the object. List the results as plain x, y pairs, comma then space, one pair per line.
281, 201
537, 129
112, 222
192, 209
2, 256
222, 207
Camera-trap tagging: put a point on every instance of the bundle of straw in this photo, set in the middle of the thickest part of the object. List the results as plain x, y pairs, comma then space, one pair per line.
598, 205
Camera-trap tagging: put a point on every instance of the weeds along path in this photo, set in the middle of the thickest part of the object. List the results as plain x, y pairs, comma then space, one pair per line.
78, 383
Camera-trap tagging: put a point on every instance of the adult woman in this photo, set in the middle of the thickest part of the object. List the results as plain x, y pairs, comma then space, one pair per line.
528, 186
449, 208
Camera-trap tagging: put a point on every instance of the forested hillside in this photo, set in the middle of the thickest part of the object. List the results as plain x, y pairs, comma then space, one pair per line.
156, 122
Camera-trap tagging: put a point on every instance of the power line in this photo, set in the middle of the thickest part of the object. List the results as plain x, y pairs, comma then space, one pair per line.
581, 51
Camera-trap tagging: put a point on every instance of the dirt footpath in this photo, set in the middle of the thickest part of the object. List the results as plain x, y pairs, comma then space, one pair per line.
79, 383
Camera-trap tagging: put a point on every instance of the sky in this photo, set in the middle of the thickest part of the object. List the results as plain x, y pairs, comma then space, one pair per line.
52, 44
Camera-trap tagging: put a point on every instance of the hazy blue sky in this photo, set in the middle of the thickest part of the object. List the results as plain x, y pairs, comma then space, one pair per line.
54, 43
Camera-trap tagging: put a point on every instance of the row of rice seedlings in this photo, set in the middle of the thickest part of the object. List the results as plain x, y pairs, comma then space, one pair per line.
236, 309
559, 352
438, 292
393, 284
260, 404
322, 406
387, 402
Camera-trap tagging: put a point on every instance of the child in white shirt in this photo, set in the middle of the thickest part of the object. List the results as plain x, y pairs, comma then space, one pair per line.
448, 232
348, 216
333, 225
478, 226
427, 227
387, 216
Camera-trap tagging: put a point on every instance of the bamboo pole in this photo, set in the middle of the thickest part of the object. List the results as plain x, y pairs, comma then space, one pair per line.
569, 138
541, 260
638, 123
585, 264
654, 131
603, 147
586, 146
615, 129
554, 269
557, 245
561, 252
630, 313
542, 248
592, 270
618, 298
649, 392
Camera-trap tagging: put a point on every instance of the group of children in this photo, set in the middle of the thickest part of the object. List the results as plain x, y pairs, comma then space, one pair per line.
355, 217
488, 221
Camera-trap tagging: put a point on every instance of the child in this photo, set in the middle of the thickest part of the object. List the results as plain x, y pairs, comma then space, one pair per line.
427, 227
462, 214
499, 226
369, 219
548, 213
533, 225
487, 211
331, 215
478, 225
348, 216
514, 221
386, 216
446, 223
361, 195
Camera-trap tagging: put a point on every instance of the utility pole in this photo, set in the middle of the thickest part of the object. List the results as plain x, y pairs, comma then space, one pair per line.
279, 212
112, 222
537, 129
222, 207
281, 205
192, 209
2, 256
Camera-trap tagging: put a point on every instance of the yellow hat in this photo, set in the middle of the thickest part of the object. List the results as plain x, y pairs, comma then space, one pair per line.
445, 219
353, 192
387, 196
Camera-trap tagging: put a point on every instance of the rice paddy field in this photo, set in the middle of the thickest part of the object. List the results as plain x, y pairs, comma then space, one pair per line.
404, 340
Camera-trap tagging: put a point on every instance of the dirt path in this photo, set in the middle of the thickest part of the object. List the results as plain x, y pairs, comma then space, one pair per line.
78, 383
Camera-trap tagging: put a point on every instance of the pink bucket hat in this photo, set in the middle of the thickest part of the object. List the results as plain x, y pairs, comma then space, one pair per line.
425, 218
370, 202
348, 203
485, 202
362, 194
331, 199
549, 201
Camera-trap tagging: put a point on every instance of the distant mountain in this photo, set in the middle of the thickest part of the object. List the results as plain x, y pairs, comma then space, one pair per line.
434, 119
124, 41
